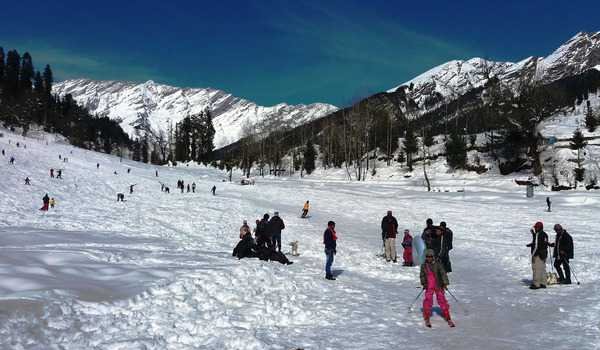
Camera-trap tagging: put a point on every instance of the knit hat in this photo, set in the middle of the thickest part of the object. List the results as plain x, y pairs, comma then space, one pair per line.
429, 252
538, 226
557, 227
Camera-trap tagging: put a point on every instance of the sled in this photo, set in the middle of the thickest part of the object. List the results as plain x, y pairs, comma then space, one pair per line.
418, 247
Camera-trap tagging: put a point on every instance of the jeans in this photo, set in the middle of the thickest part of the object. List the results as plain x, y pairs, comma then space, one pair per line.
329, 253
276, 241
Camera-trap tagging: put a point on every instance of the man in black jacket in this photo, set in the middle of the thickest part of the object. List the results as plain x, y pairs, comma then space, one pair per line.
275, 226
562, 252
445, 246
539, 253
263, 236
389, 229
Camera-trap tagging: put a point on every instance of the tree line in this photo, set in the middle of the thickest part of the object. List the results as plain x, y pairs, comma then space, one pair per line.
391, 127
26, 98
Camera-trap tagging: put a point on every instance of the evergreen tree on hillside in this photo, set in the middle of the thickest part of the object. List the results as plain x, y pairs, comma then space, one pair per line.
410, 147
590, 119
11, 75
207, 135
309, 157
48, 80
456, 150
38, 83
1, 66
577, 144
27, 73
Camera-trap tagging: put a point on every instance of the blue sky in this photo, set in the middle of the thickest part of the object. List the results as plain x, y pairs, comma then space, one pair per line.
283, 51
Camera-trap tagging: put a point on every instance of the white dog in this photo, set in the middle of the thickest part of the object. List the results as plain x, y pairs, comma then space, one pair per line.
294, 245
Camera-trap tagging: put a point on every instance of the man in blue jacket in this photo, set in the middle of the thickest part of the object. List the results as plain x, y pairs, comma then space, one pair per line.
329, 239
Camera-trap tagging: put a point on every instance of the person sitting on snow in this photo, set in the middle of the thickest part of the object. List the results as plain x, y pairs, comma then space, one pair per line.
407, 245
244, 229
434, 280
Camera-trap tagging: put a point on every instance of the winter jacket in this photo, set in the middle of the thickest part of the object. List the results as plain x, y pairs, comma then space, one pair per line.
446, 242
563, 242
539, 247
329, 240
306, 206
46, 199
441, 277
275, 225
407, 241
389, 226
428, 235
245, 248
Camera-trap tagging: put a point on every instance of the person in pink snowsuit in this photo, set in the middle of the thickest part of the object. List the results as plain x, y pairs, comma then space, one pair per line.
407, 245
434, 280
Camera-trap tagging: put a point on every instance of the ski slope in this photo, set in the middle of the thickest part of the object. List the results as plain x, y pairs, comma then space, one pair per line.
156, 271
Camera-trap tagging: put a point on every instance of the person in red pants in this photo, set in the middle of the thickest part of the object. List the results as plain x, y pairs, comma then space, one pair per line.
407, 245
434, 280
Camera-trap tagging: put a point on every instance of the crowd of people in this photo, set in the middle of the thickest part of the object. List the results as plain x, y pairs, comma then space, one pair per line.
266, 243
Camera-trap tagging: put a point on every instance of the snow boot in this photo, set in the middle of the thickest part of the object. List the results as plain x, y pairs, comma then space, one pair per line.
330, 277
427, 323
451, 323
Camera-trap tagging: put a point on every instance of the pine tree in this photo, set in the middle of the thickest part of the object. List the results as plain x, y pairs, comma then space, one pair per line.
456, 150
309, 157
38, 83
590, 119
578, 142
11, 75
48, 80
410, 147
1, 66
26, 74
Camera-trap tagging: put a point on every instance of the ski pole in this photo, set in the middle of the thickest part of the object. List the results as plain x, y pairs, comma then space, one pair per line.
414, 301
574, 275
458, 302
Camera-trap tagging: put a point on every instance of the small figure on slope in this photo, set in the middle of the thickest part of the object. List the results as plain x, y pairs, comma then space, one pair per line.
131, 188
305, 209
46, 201
214, 189
27, 182
59, 174
52, 202
434, 280
549, 204
51, 173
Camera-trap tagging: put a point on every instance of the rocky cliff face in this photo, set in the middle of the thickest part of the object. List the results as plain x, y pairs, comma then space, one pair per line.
162, 105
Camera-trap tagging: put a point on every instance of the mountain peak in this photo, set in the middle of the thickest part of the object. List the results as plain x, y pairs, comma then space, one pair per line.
165, 105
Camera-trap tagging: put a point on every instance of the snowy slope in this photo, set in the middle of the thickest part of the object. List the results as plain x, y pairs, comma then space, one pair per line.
454, 78
164, 104
156, 271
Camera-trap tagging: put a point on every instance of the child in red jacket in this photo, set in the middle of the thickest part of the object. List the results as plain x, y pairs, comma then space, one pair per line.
407, 245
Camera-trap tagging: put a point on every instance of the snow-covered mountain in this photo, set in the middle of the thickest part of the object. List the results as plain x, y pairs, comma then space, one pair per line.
164, 105
455, 78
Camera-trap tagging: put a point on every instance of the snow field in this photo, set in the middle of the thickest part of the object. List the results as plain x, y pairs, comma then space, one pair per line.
156, 271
